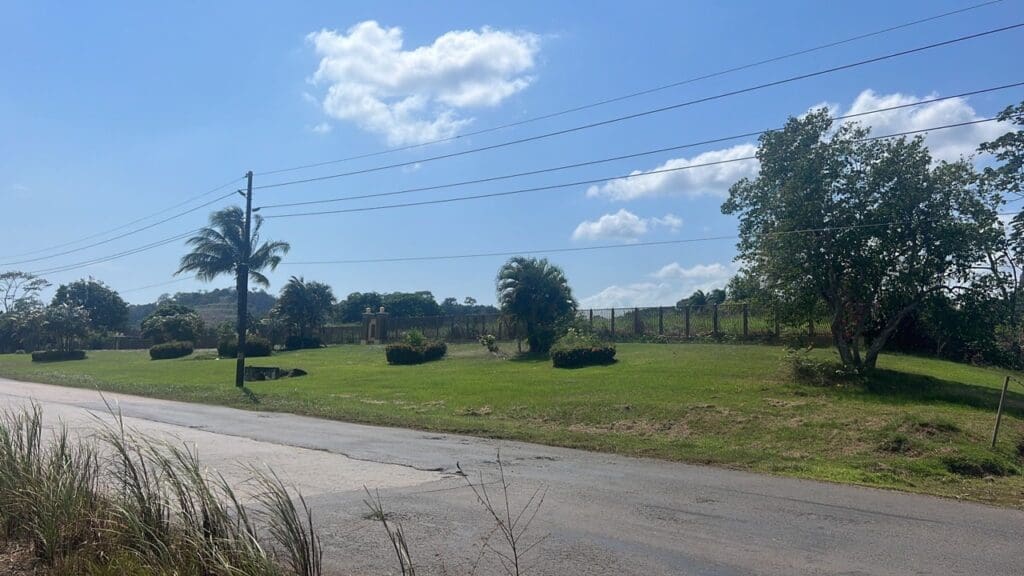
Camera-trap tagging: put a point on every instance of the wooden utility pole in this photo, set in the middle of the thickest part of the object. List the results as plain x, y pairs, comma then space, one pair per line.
242, 285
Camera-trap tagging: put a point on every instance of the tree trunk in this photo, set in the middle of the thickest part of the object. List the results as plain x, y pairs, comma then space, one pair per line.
871, 357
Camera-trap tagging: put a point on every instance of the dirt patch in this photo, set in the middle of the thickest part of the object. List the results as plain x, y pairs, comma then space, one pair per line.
470, 411
779, 403
16, 559
636, 427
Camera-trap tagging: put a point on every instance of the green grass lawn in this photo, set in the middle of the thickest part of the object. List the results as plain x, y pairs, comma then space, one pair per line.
915, 423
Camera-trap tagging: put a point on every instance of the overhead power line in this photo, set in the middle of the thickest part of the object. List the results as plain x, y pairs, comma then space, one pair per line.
636, 94
122, 226
649, 112
157, 285
591, 181
622, 157
120, 236
604, 246
77, 265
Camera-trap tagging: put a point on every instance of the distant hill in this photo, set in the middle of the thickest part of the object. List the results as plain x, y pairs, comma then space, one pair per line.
215, 306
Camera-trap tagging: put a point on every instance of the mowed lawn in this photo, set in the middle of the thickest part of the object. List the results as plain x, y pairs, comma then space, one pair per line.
920, 425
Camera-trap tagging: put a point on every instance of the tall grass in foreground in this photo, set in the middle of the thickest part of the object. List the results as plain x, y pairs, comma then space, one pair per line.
122, 503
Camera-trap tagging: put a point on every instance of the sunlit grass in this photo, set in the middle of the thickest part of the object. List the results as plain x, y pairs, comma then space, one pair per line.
727, 405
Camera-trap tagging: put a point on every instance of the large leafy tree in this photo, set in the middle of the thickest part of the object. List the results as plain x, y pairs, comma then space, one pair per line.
870, 228
16, 287
108, 312
536, 294
64, 323
172, 322
351, 309
304, 306
1006, 261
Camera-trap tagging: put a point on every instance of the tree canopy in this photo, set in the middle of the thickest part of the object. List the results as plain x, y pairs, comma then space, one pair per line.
222, 248
536, 294
304, 306
870, 228
106, 310
173, 322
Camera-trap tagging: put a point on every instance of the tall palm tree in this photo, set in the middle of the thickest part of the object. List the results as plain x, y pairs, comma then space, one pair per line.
536, 294
222, 248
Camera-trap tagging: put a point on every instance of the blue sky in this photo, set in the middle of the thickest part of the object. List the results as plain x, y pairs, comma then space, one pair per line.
113, 111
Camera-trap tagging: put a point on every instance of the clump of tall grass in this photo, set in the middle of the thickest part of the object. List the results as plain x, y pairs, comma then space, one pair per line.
122, 503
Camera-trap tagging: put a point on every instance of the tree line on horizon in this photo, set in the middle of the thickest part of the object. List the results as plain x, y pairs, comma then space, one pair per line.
894, 247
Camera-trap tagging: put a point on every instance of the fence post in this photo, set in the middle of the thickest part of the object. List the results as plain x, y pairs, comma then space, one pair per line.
636, 321
999, 411
686, 316
613, 323
778, 327
661, 320
810, 327
746, 320
714, 319
591, 319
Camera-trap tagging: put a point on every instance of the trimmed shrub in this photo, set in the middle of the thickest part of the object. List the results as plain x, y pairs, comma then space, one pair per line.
255, 347
169, 350
57, 355
434, 350
405, 353
576, 349
296, 342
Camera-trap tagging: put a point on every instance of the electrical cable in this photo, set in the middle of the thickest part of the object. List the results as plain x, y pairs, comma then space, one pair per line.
598, 103
649, 112
621, 157
589, 181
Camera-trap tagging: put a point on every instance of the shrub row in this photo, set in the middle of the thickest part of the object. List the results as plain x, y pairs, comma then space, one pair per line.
57, 355
405, 353
296, 342
579, 356
169, 350
255, 346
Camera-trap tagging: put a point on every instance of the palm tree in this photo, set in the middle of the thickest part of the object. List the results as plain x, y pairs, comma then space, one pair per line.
536, 294
222, 248
305, 306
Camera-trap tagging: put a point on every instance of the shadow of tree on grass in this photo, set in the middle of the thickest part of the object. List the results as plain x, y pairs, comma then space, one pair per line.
898, 387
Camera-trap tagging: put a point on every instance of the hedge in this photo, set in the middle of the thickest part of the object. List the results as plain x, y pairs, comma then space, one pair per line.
405, 353
296, 342
57, 355
255, 346
169, 350
583, 356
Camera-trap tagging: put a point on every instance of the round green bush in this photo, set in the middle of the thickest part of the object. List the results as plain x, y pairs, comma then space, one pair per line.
169, 350
577, 349
406, 353
255, 347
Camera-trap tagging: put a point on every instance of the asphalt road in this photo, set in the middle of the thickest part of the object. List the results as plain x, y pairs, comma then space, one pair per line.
601, 514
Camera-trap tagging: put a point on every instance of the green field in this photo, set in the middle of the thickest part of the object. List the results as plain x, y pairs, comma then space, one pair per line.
919, 424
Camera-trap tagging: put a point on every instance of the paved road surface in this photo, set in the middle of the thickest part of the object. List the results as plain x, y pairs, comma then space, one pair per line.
602, 514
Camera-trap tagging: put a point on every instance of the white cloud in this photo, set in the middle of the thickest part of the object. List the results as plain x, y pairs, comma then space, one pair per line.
949, 144
623, 225
715, 180
701, 272
412, 96
322, 128
707, 180
675, 282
